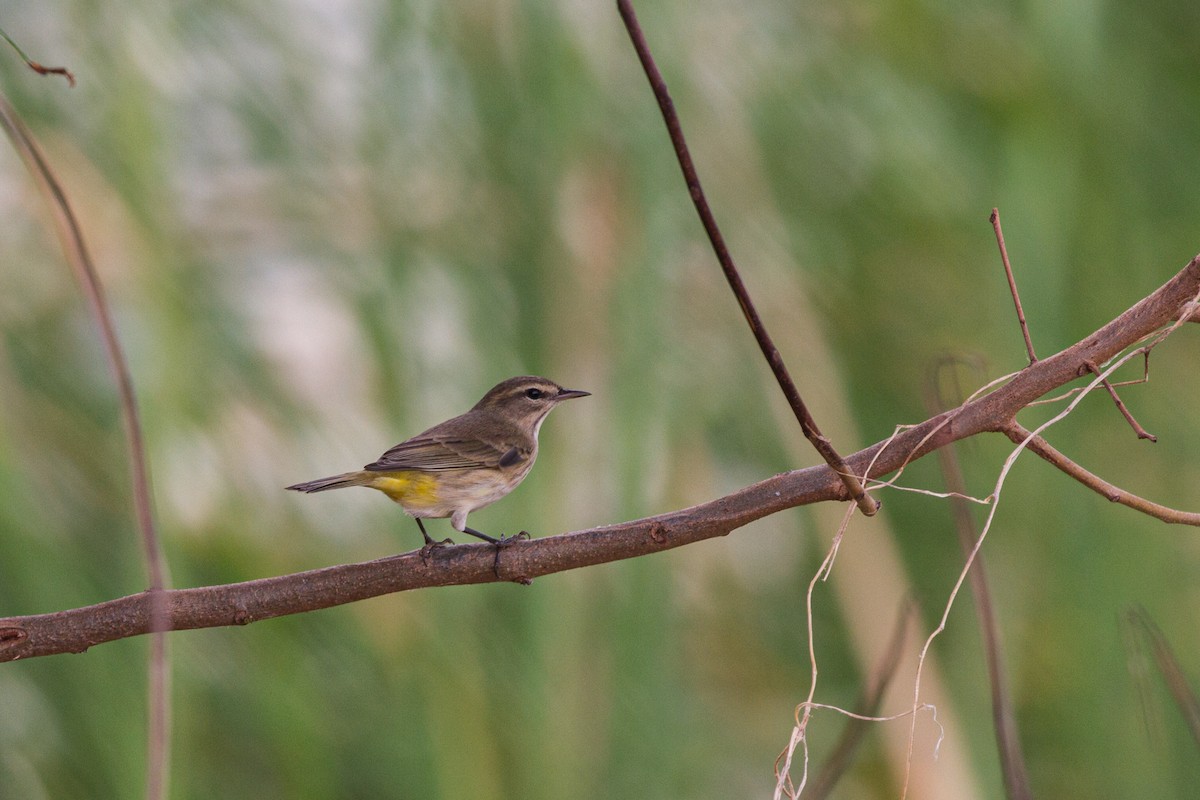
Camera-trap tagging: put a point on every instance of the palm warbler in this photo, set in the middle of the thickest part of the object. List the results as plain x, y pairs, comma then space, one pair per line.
464, 463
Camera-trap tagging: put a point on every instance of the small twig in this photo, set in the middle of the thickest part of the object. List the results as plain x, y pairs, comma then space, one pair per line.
1018, 433
1004, 717
1012, 285
808, 425
1141, 432
35, 66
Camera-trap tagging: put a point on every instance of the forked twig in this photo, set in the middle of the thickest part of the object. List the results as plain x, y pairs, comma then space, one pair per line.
1012, 284
808, 425
1141, 432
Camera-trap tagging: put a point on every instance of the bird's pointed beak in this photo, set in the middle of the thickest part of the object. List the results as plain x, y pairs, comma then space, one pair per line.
567, 394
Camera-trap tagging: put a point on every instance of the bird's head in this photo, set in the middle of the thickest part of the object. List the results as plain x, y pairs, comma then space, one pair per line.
526, 400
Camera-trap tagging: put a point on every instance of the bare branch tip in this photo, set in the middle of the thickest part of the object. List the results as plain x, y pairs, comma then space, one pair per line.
40, 69
44, 70
868, 505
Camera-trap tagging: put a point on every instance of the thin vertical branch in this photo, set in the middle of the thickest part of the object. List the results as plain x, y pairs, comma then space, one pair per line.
1004, 718
1012, 285
808, 425
80, 260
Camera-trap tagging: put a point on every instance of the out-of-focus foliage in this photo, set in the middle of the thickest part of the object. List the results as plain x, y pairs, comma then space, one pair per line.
325, 226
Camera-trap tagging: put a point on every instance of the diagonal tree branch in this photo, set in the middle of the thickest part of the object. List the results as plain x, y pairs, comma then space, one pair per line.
808, 425
77, 629
1017, 433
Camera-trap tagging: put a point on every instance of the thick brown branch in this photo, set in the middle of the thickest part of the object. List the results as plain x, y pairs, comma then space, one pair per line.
241, 603
237, 604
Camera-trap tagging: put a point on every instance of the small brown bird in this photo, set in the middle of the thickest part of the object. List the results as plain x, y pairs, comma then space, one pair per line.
464, 463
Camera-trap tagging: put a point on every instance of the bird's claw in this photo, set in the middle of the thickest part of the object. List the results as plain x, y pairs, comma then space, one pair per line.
431, 546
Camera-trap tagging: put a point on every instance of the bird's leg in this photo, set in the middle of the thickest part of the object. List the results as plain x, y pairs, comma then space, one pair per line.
430, 544
483, 536
503, 540
421, 525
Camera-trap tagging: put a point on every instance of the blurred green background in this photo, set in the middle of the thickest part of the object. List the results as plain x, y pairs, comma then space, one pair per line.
326, 226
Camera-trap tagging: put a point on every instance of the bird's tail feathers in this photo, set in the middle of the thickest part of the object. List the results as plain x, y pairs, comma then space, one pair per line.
333, 482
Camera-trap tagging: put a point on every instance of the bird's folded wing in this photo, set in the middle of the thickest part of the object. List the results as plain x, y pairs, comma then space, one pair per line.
432, 454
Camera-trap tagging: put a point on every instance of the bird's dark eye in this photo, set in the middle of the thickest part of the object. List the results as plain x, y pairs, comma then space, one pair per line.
534, 394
